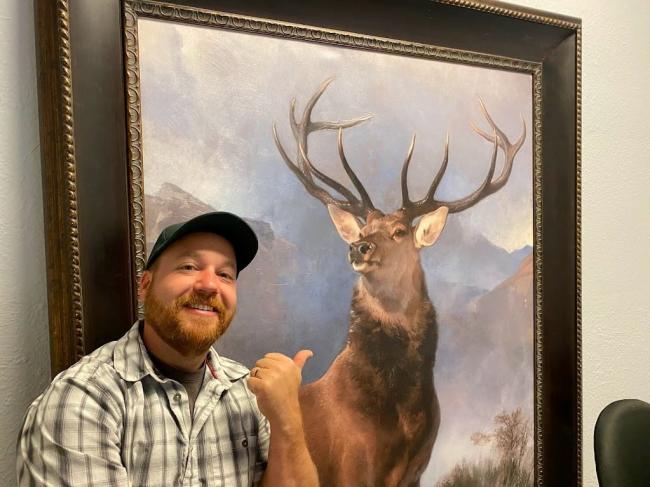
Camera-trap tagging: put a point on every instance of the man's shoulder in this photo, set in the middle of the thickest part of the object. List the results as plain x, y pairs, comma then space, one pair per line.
93, 375
95, 365
82, 408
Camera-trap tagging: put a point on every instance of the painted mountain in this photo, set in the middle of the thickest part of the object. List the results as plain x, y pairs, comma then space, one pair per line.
485, 367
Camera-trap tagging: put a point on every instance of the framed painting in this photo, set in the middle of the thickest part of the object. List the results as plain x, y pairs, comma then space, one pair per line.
412, 171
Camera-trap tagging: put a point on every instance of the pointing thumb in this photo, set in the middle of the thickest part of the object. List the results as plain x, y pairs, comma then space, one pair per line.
301, 357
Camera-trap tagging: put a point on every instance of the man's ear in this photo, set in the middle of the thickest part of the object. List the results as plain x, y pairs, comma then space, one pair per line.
144, 284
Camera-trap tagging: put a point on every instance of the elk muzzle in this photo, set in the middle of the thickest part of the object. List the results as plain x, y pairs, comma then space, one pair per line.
361, 252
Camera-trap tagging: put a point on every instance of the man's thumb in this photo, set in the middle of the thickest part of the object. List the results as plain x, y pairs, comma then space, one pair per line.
302, 357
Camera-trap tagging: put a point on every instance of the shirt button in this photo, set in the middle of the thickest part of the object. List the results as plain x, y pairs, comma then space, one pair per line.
244, 443
177, 397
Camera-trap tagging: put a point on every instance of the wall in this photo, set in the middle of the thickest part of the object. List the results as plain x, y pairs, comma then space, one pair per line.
615, 228
24, 347
616, 204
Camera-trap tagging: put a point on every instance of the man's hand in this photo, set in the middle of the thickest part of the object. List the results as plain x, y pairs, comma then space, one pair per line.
275, 381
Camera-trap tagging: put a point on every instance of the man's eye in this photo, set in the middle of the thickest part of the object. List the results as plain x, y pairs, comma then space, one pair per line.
226, 275
188, 267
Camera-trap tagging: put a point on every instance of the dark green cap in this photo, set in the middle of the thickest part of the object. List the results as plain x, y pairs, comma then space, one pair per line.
240, 235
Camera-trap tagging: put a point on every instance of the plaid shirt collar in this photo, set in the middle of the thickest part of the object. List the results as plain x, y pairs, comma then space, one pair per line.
133, 366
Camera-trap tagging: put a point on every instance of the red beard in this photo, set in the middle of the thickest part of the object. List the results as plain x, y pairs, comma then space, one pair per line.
188, 335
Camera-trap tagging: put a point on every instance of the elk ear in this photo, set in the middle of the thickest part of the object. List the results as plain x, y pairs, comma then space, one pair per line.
430, 227
346, 224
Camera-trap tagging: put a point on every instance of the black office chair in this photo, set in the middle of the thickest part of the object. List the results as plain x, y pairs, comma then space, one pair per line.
622, 444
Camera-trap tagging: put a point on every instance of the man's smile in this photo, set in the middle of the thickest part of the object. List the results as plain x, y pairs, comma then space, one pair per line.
201, 309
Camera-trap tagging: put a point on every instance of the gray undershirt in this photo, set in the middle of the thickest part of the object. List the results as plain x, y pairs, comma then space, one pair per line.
191, 381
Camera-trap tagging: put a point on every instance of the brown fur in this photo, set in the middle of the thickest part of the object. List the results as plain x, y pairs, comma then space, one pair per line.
372, 419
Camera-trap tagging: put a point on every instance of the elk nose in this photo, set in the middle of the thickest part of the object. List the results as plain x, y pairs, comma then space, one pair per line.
362, 247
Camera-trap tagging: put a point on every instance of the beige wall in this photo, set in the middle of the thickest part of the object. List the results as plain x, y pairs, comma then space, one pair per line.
24, 347
616, 207
616, 204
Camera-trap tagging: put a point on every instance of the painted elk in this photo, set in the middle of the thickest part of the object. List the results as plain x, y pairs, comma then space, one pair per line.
373, 418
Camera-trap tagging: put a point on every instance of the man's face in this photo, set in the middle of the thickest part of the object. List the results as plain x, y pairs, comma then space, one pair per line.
190, 294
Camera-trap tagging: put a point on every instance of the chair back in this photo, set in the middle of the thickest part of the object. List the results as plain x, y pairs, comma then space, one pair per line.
622, 444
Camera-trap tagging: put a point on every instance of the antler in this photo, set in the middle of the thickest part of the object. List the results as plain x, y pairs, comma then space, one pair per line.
489, 186
304, 169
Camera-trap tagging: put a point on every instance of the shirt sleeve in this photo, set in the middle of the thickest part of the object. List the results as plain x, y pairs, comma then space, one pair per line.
71, 436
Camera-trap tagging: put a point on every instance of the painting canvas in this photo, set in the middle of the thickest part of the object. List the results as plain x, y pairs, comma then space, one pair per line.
209, 99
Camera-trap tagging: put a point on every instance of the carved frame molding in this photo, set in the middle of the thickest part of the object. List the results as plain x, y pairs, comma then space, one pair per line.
68, 314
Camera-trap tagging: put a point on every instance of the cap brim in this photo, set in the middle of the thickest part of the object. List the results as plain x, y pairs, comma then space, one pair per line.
227, 225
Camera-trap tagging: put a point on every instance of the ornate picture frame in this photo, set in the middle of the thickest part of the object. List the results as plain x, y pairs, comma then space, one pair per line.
93, 193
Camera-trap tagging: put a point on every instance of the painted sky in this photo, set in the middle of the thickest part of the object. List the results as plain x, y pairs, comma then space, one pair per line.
209, 98
213, 95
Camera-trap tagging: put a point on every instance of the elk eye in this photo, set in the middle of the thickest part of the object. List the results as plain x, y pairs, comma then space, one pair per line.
400, 232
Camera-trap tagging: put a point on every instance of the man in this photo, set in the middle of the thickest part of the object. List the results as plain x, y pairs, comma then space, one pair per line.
159, 407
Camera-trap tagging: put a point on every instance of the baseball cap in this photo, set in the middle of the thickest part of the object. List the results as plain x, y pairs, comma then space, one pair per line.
227, 225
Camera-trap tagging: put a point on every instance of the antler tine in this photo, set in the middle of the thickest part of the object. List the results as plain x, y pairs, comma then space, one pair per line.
494, 126
406, 201
441, 171
292, 119
365, 198
504, 141
414, 208
509, 149
317, 192
341, 124
328, 180
305, 170
302, 129
487, 187
311, 126
480, 192
311, 103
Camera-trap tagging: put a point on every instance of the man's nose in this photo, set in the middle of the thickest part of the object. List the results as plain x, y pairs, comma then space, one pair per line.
206, 281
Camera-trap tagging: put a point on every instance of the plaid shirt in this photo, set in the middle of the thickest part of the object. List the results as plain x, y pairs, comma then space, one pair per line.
112, 419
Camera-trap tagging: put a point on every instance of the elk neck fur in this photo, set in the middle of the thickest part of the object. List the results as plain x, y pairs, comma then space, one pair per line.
393, 331
395, 302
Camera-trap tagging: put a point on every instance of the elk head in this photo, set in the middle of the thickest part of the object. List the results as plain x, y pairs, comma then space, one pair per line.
384, 248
